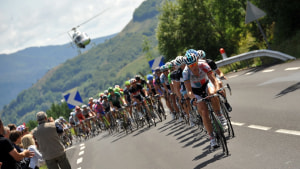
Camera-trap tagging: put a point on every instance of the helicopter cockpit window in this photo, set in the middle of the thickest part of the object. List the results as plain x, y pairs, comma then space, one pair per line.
78, 38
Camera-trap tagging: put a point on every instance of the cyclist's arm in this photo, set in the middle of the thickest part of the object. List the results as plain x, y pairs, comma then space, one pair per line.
188, 87
221, 74
213, 79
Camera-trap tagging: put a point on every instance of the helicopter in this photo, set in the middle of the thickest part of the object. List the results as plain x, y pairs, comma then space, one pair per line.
81, 39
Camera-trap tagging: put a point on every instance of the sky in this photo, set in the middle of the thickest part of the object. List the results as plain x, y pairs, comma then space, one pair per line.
33, 23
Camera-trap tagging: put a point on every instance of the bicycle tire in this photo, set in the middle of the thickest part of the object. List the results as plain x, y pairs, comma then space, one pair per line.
229, 125
159, 105
220, 137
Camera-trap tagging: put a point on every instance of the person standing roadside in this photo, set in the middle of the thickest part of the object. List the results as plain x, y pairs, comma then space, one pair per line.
49, 144
8, 154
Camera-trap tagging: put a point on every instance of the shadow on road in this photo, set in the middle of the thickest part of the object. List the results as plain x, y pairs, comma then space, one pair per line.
216, 157
288, 90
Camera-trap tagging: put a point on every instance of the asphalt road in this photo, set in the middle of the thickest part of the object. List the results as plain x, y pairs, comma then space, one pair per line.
265, 115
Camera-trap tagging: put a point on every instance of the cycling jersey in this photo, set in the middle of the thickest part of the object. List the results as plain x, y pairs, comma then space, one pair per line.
127, 95
106, 105
198, 83
164, 79
212, 64
98, 108
136, 91
151, 83
86, 112
115, 99
79, 115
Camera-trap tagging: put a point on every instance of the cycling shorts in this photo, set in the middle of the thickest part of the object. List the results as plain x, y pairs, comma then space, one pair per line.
209, 85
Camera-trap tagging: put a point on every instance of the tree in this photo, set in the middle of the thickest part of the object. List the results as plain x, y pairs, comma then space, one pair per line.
199, 24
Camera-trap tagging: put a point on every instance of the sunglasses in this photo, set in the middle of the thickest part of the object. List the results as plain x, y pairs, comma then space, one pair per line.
193, 65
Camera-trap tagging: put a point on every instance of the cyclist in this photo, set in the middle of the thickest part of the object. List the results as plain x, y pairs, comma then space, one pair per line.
182, 90
199, 80
115, 100
80, 117
218, 73
172, 71
136, 93
99, 110
167, 88
73, 120
157, 84
87, 113
91, 103
106, 107
127, 98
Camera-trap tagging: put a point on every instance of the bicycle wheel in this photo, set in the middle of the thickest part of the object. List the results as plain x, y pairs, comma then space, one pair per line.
229, 125
218, 129
160, 106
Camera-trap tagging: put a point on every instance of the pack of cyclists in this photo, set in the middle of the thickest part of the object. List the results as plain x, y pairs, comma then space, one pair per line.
181, 82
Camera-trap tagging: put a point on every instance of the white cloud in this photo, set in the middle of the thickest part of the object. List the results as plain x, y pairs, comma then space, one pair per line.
38, 23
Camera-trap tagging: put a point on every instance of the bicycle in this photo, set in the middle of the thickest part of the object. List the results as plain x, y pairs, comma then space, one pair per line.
216, 124
225, 110
159, 107
122, 120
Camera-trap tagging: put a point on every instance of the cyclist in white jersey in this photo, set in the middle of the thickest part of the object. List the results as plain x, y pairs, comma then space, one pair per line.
200, 80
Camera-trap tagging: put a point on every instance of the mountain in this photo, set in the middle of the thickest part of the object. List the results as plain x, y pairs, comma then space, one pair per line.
112, 62
22, 69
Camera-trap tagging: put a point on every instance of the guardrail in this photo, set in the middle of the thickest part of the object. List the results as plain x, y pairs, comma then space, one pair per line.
254, 54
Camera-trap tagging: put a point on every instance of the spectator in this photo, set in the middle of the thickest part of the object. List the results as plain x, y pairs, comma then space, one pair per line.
29, 144
54, 153
15, 137
12, 127
8, 154
6, 132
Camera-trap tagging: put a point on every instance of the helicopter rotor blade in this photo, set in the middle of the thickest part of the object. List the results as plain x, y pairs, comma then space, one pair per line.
91, 18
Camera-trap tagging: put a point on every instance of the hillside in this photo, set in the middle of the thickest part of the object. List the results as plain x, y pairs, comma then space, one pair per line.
22, 69
104, 65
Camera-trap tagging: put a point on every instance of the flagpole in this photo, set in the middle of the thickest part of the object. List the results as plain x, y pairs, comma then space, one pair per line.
262, 32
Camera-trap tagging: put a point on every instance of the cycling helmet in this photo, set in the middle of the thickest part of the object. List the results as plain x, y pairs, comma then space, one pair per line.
95, 100
163, 68
117, 90
83, 106
72, 113
105, 92
190, 56
201, 54
179, 60
91, 98
137, 77
132, 81
77, 108
61, 118
101, 94
150, 77
169, 65
110, 89
127, 83
157, 69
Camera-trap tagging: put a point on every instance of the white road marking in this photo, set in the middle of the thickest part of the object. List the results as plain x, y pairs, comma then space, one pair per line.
79, 160
82, 144
80, 153
293, 132
83, 147
233, 76
292, 68
268, 70
249, 73
79, 168
259, 127
237, 124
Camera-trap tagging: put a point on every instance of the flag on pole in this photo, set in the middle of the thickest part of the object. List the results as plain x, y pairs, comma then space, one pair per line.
73, 99
157, 62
